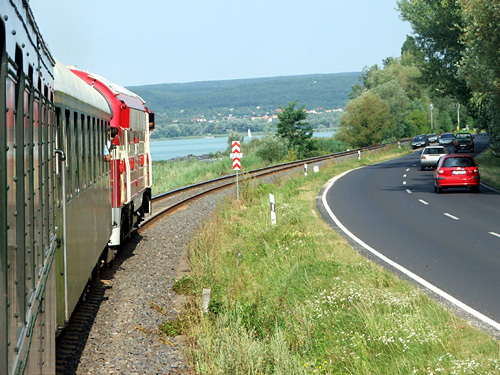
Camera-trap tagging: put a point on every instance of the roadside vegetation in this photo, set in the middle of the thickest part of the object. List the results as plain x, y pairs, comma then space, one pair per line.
489, 168
295, 298
259, 153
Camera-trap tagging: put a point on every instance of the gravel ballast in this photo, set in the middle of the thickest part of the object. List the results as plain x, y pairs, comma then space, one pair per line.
125, 336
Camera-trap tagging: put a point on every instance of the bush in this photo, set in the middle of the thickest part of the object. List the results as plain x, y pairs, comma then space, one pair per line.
272, 149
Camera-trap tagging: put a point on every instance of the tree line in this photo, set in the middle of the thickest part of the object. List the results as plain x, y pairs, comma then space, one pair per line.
447, 77
218, 107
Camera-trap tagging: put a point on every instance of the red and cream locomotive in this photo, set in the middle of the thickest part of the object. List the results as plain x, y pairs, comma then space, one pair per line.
131, 157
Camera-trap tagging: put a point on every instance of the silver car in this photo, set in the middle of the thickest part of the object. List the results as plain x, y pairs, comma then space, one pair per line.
446, 139
433, 138
430, 156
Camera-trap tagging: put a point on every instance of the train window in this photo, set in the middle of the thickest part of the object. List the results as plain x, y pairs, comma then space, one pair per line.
38, 175
107, 126
77, 153
98, 136
84, 152
151, 116
89, 153
59, 163
69, 155
50, 131
94, 150
30, 185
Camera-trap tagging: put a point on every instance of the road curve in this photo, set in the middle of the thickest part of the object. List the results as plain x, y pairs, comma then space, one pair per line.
449, 243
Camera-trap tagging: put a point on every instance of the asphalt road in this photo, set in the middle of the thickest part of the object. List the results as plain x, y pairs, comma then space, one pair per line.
448, 242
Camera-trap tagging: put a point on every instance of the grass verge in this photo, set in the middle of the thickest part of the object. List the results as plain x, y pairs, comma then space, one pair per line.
295, 298
489, 167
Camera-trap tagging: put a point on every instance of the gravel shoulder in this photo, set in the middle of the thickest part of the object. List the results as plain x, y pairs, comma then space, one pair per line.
124, 338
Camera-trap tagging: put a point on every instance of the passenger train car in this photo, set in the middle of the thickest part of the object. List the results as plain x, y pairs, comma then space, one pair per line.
61, 203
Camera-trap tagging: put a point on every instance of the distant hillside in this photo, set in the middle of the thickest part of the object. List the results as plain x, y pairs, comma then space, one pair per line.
182, 104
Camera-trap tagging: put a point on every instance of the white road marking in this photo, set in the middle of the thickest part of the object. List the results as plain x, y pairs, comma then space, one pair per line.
404, 176
422, 201
404, 182
494, 234
451, 216
408, 191
407, 169
402, 269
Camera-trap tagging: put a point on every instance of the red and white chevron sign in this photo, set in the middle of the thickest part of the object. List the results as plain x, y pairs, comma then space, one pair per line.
236, 155
236, 147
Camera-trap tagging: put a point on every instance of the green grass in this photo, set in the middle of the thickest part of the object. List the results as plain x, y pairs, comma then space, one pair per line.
295, 298
489, 168
168, 175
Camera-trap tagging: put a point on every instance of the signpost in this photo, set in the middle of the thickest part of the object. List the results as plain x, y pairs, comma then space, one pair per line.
273, 209
236, 155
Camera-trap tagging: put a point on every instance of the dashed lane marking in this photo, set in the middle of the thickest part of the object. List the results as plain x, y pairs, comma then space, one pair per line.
402, 269
494, 234
423, 202
451, 216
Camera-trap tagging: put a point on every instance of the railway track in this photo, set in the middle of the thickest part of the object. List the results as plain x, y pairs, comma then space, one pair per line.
171, 200
73, 339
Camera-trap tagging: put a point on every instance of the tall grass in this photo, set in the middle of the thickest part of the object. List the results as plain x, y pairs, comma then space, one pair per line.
168, 175
295, 298
489, 168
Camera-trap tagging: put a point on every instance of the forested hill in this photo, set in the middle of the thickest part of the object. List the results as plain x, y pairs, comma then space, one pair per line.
318, 90
183, 104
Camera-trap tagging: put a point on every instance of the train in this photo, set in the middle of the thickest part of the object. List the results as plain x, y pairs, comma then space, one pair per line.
64, 207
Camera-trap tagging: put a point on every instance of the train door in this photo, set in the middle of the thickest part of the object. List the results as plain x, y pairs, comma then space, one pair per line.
61, 200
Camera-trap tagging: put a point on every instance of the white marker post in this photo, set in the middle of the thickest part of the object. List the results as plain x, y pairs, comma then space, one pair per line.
359, 155
236, 155
273, 209
305, 169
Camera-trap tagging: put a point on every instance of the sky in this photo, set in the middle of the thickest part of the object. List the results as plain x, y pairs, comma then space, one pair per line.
133, 43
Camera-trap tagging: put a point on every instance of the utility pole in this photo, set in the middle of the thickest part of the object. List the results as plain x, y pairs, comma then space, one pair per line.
432, 123
458, 116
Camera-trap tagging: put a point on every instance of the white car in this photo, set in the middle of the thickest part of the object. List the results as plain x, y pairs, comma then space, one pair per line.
430, 156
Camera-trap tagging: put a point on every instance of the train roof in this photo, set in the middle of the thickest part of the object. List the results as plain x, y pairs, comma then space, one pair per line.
121, 93
68, 83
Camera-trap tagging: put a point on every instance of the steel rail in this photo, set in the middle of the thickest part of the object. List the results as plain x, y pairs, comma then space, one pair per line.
209, 186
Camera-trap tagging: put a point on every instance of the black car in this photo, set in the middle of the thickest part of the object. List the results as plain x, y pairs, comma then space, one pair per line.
420, 141
464, 141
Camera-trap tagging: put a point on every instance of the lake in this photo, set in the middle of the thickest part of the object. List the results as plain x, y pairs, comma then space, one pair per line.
174, 148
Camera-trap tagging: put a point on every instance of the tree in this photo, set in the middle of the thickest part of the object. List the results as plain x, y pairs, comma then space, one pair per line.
366, 122
437, 28
292, 127
480, 65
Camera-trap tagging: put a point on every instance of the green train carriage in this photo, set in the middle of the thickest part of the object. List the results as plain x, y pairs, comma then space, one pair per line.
28, 236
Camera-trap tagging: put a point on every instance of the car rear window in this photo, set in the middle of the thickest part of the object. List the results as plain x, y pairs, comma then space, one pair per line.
434, 151
463, 136
458, 162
